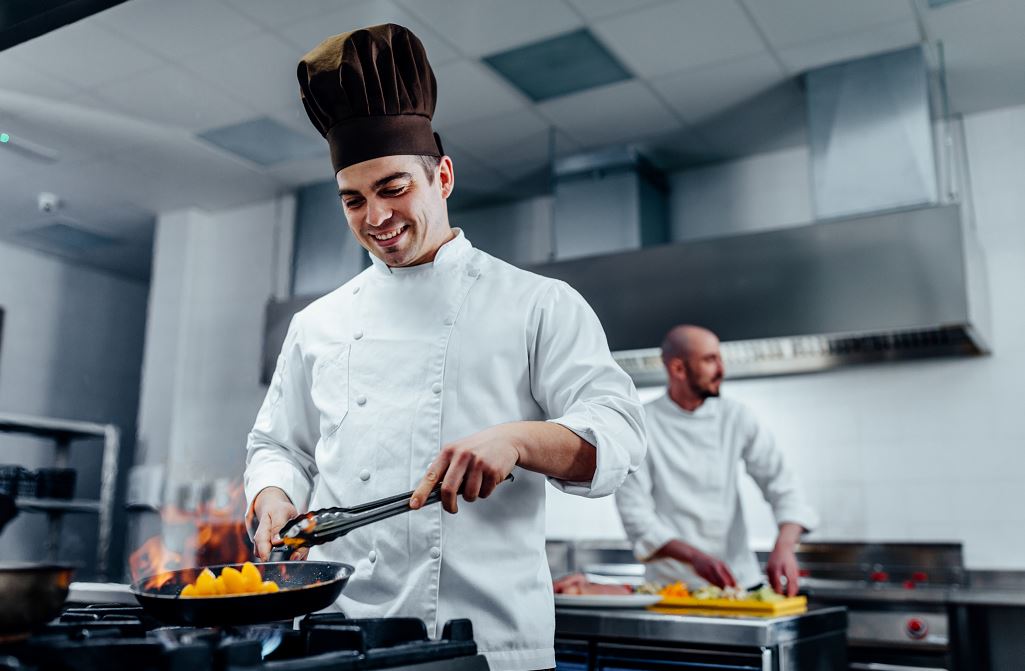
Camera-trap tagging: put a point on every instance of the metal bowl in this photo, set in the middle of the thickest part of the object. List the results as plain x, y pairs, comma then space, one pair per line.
31, 594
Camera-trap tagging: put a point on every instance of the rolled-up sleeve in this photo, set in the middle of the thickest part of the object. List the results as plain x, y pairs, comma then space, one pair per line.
645, 529
280, 447
578, 385
767, 467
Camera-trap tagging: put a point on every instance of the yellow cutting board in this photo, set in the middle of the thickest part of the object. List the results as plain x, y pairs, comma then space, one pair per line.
789, 606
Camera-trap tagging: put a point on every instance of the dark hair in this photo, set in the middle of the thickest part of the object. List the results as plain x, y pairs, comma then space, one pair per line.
430, 164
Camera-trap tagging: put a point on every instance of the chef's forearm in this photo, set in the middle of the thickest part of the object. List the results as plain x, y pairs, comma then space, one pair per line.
676, 549
789, 535
554, 450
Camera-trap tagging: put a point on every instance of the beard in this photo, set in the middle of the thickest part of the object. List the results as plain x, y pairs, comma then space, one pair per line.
704, 390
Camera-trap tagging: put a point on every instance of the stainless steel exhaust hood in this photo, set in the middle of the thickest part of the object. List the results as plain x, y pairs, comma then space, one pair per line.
885, 273
892, 286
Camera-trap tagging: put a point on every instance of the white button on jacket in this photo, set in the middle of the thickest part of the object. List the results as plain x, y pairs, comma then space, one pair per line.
521, 347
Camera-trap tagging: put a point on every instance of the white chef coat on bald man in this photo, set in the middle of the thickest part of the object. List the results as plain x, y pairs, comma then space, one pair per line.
377, 376
687, 488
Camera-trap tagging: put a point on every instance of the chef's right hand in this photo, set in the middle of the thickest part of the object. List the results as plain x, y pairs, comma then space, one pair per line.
708, 567
712, 569
273, 509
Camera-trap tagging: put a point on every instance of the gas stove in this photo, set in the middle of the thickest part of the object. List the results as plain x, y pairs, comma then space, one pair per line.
121, 637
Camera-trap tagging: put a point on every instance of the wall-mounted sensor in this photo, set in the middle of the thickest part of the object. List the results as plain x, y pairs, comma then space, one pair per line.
48, 202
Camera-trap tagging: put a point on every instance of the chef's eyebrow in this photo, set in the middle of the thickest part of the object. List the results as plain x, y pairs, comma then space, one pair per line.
377, 185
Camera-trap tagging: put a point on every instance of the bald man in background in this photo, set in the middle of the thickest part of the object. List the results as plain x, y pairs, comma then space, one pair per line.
682, 509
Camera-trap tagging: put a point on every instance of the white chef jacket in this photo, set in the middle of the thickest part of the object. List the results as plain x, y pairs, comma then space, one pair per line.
687, 488
374, 378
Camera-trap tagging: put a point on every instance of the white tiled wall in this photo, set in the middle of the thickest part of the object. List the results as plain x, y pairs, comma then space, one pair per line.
931, 450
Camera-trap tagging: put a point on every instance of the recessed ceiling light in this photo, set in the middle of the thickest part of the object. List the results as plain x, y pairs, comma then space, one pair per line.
558, 66
63, 236
264, 141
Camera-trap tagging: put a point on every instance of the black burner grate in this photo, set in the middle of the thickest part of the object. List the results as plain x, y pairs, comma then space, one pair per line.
124, 638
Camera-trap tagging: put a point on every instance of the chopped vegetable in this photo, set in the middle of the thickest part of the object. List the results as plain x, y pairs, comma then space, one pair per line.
766, 595
675, 590
230, 582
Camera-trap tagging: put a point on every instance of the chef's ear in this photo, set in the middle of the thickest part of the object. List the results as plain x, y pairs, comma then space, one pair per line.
446, 176
676, 368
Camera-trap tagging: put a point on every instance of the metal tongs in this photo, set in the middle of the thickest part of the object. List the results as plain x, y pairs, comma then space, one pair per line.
327, 524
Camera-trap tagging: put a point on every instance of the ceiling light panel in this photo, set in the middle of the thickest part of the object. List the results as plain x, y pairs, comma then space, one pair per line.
264, 141
558, 66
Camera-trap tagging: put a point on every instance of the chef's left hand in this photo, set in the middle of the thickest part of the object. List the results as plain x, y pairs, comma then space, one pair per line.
783, 562
472, 466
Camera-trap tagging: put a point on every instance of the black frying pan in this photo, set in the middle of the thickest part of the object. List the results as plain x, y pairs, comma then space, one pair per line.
305, 587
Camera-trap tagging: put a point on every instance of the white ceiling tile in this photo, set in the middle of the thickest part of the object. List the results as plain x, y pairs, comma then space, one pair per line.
882, 38
600, 9
175, 97
178, 28
471, 173
532, 154
680, 35
468, 91
610, 114
55, 126
496, 134
704, 92
16, 75
301, 173
310, 32
192, 175
262, 69
278, 13
789, 22
481, 27
85, 54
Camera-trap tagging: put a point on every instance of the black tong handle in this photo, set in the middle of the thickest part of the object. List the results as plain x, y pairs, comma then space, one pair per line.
329, 524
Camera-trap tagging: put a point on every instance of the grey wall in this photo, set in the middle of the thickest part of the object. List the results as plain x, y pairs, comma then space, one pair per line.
518, 232
72, 349
326, 254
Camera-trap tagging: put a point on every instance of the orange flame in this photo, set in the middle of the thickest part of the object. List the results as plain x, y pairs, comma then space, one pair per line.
153, 559
215, 534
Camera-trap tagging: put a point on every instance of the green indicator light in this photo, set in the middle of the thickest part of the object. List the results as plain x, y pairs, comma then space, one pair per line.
5, 138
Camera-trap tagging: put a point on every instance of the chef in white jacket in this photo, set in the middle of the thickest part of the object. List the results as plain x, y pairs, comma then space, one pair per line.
439, 363
682, 508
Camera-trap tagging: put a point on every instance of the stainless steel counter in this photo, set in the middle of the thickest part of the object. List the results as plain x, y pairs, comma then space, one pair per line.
645, 625
972, 596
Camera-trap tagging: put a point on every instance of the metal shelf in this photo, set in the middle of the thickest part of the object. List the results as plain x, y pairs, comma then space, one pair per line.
58, 505
51, 428
63, 432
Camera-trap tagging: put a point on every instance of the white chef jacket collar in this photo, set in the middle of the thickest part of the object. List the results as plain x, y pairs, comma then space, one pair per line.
710, 408
448, 254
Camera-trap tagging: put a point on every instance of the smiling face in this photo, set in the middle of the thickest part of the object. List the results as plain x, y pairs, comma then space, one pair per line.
396, 209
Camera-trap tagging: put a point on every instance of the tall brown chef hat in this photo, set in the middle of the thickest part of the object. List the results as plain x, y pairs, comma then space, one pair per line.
371, 93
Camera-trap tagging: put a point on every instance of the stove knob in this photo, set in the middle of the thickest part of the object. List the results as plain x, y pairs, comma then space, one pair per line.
916, 628
920, 576
879, 576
